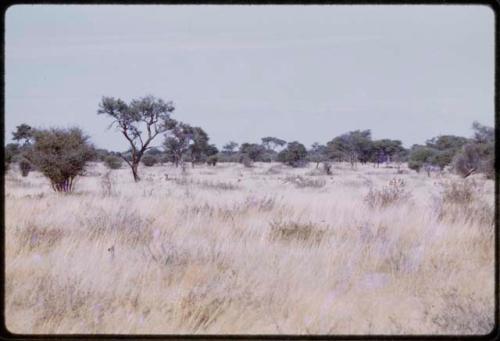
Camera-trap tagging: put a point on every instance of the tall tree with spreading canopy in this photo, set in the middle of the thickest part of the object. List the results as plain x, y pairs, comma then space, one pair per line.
272, 143
186, 142
23, 132
253, 151
353, 146
318, 153
229, 147
177, 142
139, 122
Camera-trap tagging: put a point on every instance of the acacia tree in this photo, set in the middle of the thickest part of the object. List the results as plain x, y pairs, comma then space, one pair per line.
229, 147
253, 151
272, 143
353, 146
23, 132
186, 142
177, 142
140, 122
318, 153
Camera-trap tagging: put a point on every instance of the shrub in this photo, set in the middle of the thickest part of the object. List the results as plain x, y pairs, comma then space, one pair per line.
212, 160
293, 155
61, 155
462, 200
253, 151
458, 192
475, 157
246, 161
389, 195
25, 167
419, 156
113, 162
149, 160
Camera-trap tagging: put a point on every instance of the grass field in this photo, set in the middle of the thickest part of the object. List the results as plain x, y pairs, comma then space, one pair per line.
261, 250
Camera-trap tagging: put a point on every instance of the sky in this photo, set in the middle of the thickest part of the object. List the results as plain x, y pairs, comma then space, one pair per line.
306, 73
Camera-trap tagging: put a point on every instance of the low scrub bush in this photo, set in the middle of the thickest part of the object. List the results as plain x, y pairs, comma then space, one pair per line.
149, 160
394, 193
459, 192
113, 162
462, 200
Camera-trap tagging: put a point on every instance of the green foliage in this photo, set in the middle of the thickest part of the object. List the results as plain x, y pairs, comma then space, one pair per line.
253, 151
271, 143
294, 154
473, 158
230, 147
101, 154
189, 144
353, 146
177, 144
153, 151
446, 142
113, 162
318, 153
139, 122
419, 156
149, 160
23, 132
212, 160
386, 150
211, 150
25, 167
479, 154
61, 155
438, 151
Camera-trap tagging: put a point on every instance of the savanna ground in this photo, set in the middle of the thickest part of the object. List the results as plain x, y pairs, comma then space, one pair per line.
266, 250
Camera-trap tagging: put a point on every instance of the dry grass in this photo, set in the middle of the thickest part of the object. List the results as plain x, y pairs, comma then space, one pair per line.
303, 182
237, 250
392, 194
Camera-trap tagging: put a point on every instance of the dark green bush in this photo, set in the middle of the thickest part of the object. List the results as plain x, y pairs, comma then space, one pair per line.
149, 160
25, 167
113, 162
212, 160
61, 155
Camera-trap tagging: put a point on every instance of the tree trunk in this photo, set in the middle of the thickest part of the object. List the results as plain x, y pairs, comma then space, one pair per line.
135, 172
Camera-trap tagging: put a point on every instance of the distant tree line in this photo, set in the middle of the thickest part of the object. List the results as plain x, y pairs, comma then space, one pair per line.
61, 154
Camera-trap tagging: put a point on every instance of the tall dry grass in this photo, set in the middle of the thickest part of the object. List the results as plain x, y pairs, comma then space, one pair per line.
265, 250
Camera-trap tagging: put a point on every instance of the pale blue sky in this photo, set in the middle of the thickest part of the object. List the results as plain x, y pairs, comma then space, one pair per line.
306, 73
